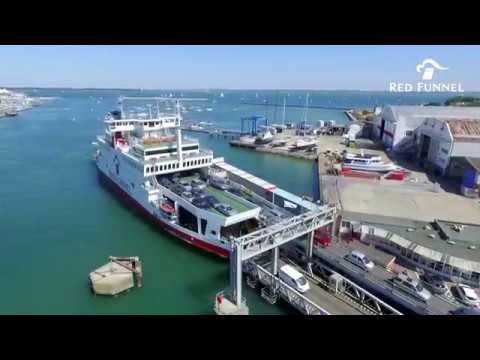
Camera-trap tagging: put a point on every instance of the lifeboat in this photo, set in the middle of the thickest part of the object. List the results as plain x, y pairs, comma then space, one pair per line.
167, 208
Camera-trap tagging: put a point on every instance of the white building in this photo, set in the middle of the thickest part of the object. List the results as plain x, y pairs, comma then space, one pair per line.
396, 124
450, 145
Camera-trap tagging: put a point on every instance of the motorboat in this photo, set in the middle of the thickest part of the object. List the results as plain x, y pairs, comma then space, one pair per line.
367, 162
304, 144
278, 143
264, 138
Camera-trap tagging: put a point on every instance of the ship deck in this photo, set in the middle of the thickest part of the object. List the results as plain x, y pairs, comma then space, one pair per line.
223, 197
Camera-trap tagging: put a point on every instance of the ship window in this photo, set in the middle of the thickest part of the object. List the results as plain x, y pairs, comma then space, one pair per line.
184, 164
169, 166
156, 168
161, 167
148, 170
203, 224
213, 232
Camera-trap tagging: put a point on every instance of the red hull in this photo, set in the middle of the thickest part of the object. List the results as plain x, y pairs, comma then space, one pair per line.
163, 225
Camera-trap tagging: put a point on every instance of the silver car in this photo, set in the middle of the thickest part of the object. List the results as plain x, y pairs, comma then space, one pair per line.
467, 295
411, 287
435, 284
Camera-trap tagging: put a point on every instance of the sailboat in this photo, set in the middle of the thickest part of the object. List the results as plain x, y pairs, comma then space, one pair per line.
222, 95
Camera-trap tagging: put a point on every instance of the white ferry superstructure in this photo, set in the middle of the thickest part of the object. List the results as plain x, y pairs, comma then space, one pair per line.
181, 187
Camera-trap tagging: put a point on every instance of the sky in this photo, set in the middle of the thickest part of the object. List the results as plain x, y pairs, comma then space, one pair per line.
342, 67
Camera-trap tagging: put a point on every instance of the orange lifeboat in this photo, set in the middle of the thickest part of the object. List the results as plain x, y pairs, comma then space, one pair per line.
167, 208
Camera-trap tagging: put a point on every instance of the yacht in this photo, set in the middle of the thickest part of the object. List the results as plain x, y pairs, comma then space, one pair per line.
367, 162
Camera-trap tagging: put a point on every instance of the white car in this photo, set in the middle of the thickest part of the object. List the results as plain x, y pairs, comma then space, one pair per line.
412, 287
467, 295
360, 259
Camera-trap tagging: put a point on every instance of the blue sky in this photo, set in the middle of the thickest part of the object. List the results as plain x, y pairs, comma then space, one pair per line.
237, 67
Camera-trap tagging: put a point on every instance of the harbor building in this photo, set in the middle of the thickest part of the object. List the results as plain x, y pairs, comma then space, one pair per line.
451, 146
430, 229
447, 249
395, 125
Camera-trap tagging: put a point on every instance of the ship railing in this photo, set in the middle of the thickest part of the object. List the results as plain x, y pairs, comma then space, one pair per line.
201, 153
282, 232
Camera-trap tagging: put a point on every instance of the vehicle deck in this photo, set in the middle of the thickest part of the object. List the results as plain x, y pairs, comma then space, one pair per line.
225, 197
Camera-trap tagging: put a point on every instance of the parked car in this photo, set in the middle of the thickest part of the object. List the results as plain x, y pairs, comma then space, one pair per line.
199, 192
465, 311
188, 195
222, 184
212, 200
293, 278
166, 182
411, 287
225, 209
467, 295
185, 184
201, 202
198, 184
360, 259
435, 284
177, 189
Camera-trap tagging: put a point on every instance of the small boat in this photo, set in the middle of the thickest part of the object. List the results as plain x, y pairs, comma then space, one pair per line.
302, 144
278, 143
247, 139
11, 113
367, 162
264, 138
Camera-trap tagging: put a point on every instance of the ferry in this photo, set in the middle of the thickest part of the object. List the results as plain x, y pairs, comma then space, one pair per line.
181, 187
367, 162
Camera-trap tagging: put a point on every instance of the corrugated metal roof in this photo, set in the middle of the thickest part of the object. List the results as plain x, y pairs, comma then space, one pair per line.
464, 129
434, 111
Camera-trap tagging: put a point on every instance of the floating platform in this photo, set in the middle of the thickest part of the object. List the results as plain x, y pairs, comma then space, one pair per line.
117, 276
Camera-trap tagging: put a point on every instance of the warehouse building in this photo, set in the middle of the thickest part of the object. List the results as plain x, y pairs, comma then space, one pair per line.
395, 125
451, 147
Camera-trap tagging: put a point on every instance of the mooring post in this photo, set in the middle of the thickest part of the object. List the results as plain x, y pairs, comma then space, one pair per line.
275, 253
236, 275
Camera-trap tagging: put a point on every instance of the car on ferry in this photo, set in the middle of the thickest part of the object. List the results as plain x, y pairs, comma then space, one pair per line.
293, 278
225, 209
361, 260
467, 295
198, 184
412, 287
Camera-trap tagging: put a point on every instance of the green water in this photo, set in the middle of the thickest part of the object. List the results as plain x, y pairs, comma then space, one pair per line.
58, 224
